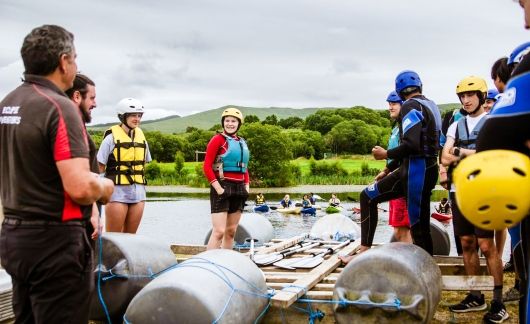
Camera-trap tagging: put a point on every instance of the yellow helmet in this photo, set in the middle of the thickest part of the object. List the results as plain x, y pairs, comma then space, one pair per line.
234, 112
472, 83
492, 188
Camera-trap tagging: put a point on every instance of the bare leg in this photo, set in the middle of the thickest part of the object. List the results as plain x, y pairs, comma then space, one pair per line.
500, 240
230, 230
134, 216
402, 234
218, 230
115, 213
470, 255
487, 246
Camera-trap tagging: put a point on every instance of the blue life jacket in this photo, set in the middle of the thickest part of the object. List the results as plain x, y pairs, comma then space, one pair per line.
236, 157
464, 139
435, 112
393, 141
455, 117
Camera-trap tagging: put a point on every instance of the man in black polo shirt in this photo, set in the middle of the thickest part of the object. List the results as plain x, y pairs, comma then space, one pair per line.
47, 189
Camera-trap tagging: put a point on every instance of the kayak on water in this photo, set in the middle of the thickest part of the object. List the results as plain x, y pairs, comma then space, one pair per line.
442, 217
261, 208
334, 209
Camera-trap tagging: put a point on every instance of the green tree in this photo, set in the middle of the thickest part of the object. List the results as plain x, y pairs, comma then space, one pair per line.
322, 121
179, 163
251, 119
270, 120
354, 136
306, 143
270, 153
291, 122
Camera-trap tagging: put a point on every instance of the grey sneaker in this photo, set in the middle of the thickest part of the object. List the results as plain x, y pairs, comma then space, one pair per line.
497, 313
511, 295
470, 304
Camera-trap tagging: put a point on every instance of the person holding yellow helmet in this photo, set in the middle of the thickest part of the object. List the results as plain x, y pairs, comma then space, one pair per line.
461, 142
122, 156
507, 128
226, 168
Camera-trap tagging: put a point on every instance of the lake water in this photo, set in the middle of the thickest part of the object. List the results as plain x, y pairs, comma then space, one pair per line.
185, 219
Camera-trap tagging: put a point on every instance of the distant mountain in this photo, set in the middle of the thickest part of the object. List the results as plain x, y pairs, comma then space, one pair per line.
207, 119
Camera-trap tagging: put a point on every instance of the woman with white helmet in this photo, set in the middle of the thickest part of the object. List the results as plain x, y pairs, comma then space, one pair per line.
122, 156
226, 168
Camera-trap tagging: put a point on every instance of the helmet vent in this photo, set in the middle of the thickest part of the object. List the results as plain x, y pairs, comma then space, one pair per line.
484, 208
473, 175
486, 222
508, 221
511, 207
519, 172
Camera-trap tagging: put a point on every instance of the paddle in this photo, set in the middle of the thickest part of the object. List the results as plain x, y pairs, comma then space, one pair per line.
313, 260
281, 256
252, 241
266, 259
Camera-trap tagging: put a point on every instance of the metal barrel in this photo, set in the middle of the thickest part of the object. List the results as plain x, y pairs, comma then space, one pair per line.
251, 225
216, 286
440, 238
393, 283
129, 262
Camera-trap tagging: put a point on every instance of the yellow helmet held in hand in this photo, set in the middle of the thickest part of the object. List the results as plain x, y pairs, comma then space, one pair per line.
234, 112
472, 83
493, 188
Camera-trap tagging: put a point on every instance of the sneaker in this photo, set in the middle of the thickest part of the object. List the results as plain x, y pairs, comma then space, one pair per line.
508, 267
497, 313
470, 304
511, 295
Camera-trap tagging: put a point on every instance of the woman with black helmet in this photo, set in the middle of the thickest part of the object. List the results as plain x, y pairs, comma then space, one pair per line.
226, 168
122, 156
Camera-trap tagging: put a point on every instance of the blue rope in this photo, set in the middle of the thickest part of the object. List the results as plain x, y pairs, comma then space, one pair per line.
100, 295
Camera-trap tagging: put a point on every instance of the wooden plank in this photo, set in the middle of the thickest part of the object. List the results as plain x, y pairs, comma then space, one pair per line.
467, 283
289, 295
320, 295
187, 249
317, 287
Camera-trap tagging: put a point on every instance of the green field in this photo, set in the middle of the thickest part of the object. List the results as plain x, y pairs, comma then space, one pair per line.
349, 164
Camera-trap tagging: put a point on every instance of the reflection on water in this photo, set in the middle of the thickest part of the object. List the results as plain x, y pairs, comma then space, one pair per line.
186, 220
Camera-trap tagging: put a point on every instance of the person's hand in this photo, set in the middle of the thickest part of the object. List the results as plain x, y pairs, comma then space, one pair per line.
379, 153
96, 223
108, 189
221, 191
247, 187
380, 175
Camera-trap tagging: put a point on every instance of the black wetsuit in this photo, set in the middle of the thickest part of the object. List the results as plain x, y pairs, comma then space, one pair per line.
509, 129
414, 178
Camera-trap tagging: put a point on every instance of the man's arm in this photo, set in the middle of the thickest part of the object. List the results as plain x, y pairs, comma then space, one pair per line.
83, 186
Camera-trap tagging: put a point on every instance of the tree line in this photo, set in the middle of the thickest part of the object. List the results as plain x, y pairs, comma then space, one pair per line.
274, 142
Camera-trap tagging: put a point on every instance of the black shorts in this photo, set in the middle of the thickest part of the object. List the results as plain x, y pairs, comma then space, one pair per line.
232, 200
462, 226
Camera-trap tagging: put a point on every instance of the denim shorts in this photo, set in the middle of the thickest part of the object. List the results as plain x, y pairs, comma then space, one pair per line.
232, 200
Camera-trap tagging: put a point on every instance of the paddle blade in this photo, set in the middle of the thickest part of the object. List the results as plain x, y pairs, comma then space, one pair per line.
308, 263
266, 259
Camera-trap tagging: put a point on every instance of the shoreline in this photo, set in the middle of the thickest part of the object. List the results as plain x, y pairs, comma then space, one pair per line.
289, 190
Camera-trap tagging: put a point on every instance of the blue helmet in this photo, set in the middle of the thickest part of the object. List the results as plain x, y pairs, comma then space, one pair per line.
407, 79
394, 97
492, 94
518, 53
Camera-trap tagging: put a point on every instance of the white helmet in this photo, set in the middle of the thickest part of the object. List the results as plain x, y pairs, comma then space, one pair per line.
129, 106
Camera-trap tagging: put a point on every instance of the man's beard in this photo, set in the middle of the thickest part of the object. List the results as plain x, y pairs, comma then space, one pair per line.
87, 117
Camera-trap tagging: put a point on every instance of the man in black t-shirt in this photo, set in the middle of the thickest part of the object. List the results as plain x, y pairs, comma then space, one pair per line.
47, 189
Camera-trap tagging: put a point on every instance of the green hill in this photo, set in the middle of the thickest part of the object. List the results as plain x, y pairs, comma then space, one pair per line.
206, 119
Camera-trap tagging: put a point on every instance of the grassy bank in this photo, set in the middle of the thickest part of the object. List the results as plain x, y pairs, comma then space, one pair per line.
354, 170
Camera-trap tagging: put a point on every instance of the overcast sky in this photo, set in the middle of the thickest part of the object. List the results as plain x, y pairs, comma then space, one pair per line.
183, 57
